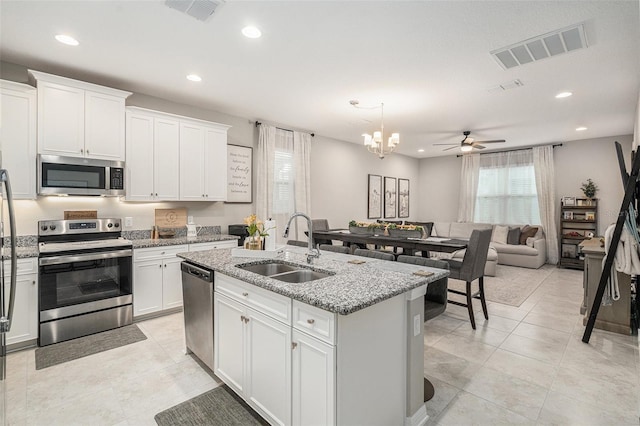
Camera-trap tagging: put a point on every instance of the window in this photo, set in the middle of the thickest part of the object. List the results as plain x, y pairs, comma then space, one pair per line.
283, 183
507, 189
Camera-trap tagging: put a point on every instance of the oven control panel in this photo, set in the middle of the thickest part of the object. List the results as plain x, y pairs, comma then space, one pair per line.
78, 226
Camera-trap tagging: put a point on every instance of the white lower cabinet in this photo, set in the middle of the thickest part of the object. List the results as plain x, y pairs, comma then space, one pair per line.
252, 354
24, 326
314, 383
283, 372
157, 279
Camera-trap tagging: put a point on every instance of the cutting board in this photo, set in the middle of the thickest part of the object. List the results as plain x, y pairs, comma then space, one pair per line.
171, 218
80, 214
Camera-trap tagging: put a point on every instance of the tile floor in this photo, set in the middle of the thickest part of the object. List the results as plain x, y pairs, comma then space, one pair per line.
526, 365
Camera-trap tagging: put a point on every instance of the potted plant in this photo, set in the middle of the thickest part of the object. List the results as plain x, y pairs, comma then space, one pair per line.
404, 231
256, 231
362, 228
589, 189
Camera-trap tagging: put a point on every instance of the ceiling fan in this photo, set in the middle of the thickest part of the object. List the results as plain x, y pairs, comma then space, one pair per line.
467, 144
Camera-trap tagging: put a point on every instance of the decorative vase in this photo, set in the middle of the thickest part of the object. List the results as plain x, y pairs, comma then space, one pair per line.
254, 242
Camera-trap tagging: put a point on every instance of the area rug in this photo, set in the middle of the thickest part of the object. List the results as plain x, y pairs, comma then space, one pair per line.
58, 353
511, 285
217, 407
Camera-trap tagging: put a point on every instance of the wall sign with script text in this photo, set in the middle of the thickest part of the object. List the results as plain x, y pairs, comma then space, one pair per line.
239, 174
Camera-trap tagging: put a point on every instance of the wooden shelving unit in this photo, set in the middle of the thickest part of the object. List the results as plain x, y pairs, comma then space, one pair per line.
578, 218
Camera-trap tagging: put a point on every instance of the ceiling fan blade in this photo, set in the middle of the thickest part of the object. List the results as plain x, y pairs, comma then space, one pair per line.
493, 141
435, 144
478, 146
447, 149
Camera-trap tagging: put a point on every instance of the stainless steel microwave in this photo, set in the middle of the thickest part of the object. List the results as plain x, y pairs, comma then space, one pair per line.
79, 176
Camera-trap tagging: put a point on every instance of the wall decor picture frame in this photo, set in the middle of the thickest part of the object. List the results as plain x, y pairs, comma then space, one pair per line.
390, 197
374, 197
239, 174
567, 215
569, 201
403, 198
590, 216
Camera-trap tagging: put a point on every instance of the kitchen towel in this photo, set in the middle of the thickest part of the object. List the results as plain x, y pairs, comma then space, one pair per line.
270, 240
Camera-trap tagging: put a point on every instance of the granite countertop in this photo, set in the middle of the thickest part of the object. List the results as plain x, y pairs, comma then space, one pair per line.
21, 252
160, 242
352, 288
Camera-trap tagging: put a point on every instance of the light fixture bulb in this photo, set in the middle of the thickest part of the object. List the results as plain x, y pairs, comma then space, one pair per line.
194, 77
563, 95
251, 32
581, 129
421, 150
466, 148
68, 40
367, 139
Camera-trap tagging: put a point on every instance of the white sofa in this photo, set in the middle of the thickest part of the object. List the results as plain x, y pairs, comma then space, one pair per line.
530, 255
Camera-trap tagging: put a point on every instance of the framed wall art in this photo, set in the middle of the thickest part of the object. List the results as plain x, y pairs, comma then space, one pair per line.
239, 174
403, 198
390, 197
374, 198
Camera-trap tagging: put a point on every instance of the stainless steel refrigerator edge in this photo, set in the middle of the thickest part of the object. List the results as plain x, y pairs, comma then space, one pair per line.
6, 313
197, 292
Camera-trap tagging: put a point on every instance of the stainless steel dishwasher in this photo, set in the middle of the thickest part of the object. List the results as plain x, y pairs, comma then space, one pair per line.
197, 292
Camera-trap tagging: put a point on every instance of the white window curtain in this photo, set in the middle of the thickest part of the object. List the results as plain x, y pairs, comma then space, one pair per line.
468, 186
545, 184
283, 179
507, 189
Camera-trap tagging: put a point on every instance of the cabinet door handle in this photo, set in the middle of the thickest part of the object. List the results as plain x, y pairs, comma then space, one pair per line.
245, 294
311, 320
160, 265
294, 345
87, 151
156, 194
202, 195
242, 318
33, 282
81, 150
165, 265
151, 194
246, 320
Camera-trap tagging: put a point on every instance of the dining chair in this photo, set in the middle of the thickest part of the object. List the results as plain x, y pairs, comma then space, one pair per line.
335, 249
320, 225
374, 254
298, 243
435, 301
471, 268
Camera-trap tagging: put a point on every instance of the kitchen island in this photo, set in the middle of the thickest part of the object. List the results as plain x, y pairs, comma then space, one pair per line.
344, 349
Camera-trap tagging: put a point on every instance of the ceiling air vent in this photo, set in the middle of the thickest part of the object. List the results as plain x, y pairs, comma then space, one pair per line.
199, 9
541, 47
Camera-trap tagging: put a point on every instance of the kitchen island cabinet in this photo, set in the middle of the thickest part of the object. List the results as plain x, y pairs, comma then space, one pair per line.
337, 350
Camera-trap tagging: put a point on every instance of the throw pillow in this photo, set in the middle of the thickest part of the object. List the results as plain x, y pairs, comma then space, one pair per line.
530, 241
514, 236
527, 232
499, 234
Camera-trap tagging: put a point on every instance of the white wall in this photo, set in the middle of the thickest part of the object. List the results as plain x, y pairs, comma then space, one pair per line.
575, 162
339, 180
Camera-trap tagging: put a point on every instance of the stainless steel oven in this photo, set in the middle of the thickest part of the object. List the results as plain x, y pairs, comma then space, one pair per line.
85, 278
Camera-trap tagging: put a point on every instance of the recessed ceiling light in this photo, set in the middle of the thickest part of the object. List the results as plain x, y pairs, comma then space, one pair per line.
421, 150
251, 32
62, 38
563, 95
580, 129
194, 77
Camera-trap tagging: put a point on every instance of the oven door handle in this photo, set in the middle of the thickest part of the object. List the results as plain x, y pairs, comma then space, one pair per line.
59, 260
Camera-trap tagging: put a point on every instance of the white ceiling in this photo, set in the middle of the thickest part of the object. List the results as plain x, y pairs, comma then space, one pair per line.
428, 61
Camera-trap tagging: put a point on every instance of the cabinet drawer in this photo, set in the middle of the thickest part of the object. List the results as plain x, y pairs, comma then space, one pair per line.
265, 301
314, 321
158, 252
23, 266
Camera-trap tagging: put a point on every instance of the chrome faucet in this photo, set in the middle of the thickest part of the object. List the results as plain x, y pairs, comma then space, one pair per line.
313, 252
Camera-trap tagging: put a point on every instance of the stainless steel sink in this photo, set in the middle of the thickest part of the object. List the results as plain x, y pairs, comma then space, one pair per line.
268, 269
300, 276
285, 272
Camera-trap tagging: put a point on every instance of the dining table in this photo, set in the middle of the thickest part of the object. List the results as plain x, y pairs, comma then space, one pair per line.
409, 245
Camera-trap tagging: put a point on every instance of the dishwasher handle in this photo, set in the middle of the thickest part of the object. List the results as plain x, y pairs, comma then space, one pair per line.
196, 271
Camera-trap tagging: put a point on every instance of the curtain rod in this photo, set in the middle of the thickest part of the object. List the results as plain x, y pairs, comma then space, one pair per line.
514, 149
286, 130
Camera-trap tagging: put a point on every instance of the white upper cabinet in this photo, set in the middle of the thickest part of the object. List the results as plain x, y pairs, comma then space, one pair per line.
203, 162
79, 119
170, 157
18, 137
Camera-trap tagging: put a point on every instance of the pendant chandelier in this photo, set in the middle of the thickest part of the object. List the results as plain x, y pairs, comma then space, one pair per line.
376, 143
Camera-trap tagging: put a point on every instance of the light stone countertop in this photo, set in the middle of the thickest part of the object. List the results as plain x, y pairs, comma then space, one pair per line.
161, 242
352, 288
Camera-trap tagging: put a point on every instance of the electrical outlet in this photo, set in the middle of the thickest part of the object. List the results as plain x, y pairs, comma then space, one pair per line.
128, 222
416, 325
